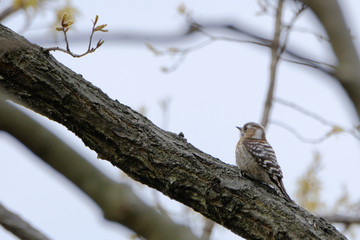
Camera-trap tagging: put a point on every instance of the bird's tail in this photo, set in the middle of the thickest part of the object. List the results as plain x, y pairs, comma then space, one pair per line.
284, 194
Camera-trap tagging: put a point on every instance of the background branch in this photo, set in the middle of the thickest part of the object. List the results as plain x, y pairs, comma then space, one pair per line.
344, 219
212, 31
19, 227
275, 56
117, 201
347, 71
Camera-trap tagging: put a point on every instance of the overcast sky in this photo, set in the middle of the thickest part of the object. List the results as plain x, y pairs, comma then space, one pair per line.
214, 89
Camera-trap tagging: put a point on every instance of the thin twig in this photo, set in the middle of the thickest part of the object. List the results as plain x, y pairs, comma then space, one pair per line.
67, 42
182, 53
304, 111
275, 55
290, 26
65, 26
335, 128
277, 51
310, 63
297, 134
234, 28
185, 51
344, 219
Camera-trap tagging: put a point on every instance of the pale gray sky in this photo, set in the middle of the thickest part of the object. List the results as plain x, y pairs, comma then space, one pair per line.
215, 89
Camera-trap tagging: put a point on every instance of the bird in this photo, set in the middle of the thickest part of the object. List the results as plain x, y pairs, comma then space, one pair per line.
257, 160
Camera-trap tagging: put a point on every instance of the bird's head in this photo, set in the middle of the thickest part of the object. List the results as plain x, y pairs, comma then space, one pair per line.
252, 130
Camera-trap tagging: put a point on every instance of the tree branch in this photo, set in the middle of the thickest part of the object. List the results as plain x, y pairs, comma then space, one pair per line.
117, 201
191, 32
160, 159
344, 219
275, 56
17, 226
7, 11
347, 71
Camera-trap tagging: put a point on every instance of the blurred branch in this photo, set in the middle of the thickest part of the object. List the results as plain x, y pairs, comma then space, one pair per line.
17, 226
207, 229
288, 27
117, 201
24, 5
180, 52
339, 37
297, 134
194, 32
335, 128
275, 55
7, 11
344, 219
347, 71
304, 111
278, 48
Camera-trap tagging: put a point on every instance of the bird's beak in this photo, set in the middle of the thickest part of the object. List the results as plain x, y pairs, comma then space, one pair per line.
241, 131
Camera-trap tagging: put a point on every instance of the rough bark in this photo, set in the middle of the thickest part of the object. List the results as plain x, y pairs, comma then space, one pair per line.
162, 160
116, 200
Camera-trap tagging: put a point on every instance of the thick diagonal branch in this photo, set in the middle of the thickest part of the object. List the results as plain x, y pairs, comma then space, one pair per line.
116, 200
160, 159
